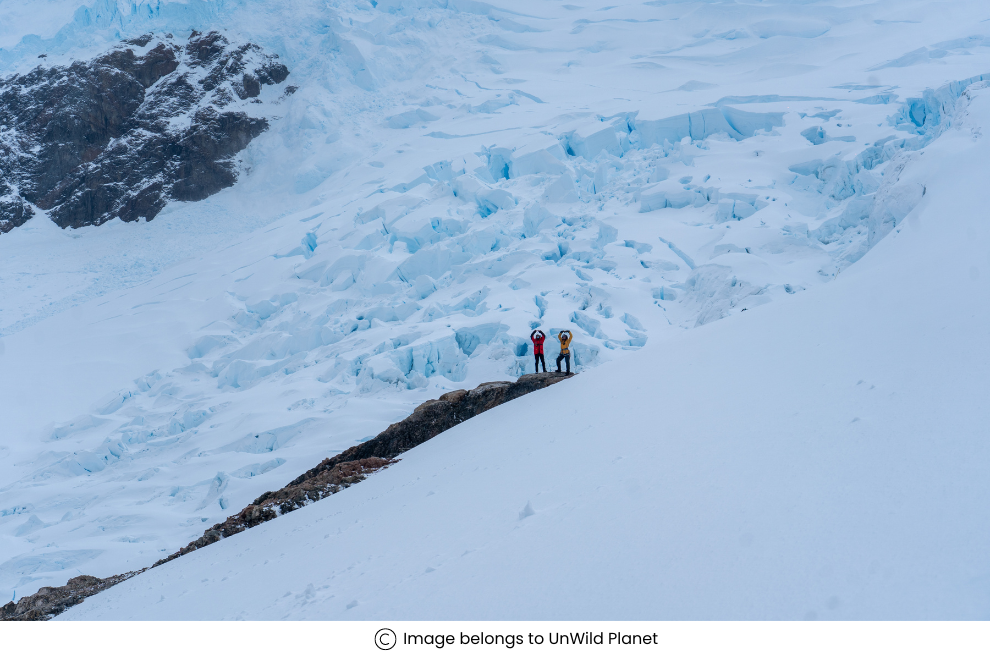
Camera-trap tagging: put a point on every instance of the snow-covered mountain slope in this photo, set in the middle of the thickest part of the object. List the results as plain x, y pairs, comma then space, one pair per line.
447, 175
824, 457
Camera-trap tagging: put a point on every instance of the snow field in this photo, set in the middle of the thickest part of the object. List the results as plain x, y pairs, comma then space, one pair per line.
445, 177
822, 457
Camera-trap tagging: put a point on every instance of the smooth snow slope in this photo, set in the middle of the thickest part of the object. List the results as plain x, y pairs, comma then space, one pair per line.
447, 175
824, 457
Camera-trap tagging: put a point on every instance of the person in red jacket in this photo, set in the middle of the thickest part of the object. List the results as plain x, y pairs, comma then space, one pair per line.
537, 336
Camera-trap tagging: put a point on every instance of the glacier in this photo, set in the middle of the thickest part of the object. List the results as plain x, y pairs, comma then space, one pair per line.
446, 176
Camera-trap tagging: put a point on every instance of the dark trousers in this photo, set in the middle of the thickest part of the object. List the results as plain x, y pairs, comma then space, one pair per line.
539, 359
566, 357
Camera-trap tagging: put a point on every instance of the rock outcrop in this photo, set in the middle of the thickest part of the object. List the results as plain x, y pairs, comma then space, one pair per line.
353, 465
430, 419
151, 121
350, 467
270, 505
49, 602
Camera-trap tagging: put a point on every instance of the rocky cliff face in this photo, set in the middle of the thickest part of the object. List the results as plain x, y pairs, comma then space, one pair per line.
156, 119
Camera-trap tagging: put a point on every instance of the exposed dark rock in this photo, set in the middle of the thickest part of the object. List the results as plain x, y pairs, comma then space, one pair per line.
352, 466
49, 602
270, 505
125, 133
141, 41
332, 475
272, 73
250, 87
205, 48
433, 417
14, 211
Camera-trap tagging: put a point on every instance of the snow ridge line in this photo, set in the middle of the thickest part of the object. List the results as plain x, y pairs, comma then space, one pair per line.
332, 475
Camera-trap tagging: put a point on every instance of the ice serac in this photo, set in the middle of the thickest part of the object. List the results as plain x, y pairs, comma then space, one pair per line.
737, 124
154, 119
820, 459
407, 220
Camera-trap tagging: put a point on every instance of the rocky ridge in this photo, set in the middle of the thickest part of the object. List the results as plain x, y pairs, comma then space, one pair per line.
49, 602
332, 475
153, 120
353, 465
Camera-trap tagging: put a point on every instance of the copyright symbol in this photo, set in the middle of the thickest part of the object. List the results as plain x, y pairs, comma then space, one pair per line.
385, 639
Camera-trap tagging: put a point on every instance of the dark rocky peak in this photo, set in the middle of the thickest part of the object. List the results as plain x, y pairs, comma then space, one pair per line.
150, 121
143, 40
147, 69
206, 48
245, 67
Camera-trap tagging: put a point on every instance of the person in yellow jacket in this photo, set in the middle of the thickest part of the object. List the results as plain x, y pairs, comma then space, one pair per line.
564, 337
